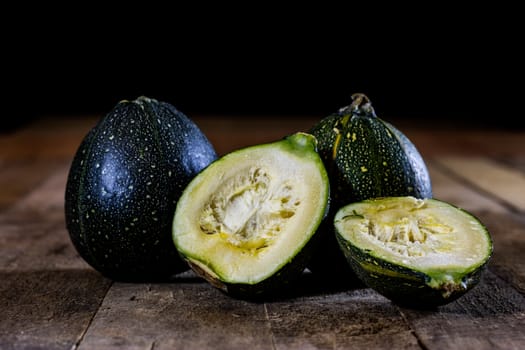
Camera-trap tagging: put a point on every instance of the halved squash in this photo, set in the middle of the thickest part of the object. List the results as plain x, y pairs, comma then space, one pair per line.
247, 222
418, 252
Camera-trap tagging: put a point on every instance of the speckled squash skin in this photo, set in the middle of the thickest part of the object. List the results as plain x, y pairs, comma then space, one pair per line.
124, 184
402, 285
366, 157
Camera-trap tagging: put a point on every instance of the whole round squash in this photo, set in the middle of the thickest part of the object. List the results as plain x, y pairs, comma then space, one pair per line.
365, 157
124, 184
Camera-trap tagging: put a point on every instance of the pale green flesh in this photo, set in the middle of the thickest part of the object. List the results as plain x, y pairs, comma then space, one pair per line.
428, 235
251, 212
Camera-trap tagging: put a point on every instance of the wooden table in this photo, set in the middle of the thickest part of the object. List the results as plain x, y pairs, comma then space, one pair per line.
51, 299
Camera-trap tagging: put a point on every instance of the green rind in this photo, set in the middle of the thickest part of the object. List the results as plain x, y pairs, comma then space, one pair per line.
277, 286
123, 186
280, 281
403, 285
411, 287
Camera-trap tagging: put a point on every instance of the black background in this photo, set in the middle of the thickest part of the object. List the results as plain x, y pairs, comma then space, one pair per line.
442, 69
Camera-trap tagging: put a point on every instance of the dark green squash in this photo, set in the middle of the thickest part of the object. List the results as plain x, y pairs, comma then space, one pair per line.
366, 157
417, 252
248, 222
124, 184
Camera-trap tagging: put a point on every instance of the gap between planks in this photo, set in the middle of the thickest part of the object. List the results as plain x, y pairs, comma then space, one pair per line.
498, 180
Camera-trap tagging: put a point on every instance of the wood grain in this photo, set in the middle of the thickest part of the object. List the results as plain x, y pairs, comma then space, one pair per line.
47, 309
460, 192
186, 314
500, 181
491, 316
48, 293
508, 232
353, 319
17, 178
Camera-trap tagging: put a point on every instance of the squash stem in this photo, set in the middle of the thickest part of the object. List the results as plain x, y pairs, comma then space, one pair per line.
360, 105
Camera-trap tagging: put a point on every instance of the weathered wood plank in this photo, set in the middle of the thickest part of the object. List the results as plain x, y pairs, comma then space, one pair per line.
437, 140
353, 319
503, 182
48, 294
508, 261
516, 161
185, 314
34, 227
46, 138
491, 316
450, 189
189, 313
18, 177
45, 200
47, 308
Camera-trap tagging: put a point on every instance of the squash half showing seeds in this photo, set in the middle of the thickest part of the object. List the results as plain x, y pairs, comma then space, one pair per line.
246, 223
418, 252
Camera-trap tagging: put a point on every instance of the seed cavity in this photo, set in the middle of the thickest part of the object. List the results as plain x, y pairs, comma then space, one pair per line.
415, 234
250, 209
